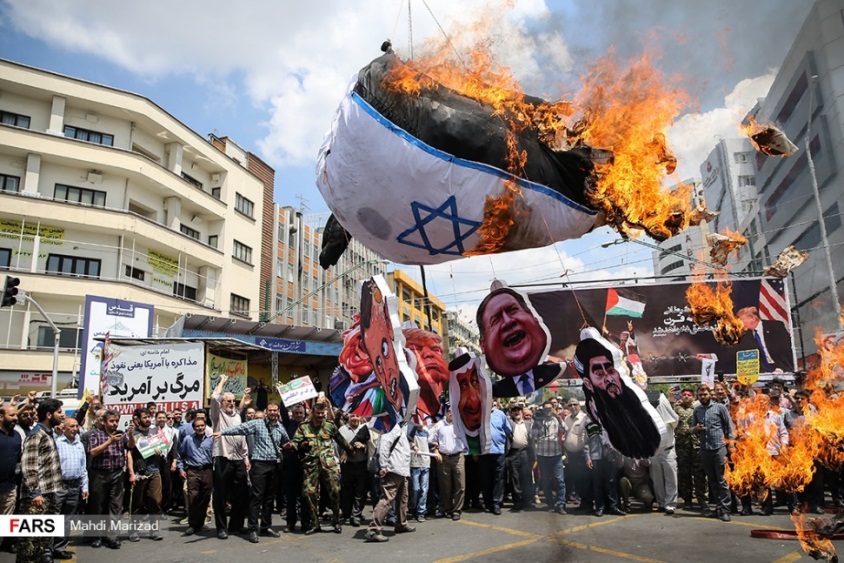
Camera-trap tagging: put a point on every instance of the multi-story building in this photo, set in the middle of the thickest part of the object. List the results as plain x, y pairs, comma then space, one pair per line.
688, 251
305, 294
413, 306
102, 192
462, 333
806, 101
729, 187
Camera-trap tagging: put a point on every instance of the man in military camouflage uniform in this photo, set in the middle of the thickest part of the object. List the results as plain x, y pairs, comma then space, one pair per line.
690, 475
314, 440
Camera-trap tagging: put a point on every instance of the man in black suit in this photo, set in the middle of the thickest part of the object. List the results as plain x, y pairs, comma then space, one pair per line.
540, 376
771, 338
515, 343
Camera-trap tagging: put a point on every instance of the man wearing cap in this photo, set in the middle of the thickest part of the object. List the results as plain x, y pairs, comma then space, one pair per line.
520, 459
576, 474
615, 406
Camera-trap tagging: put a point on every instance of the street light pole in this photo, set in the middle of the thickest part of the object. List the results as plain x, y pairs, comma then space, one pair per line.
57, 335
821, 221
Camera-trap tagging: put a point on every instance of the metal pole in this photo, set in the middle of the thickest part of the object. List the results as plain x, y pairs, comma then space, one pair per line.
821, 222
57, 333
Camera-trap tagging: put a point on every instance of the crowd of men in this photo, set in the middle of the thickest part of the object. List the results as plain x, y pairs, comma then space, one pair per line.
234, 466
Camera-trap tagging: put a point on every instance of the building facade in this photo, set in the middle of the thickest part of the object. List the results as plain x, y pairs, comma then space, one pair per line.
462, 333
688, 251
102, 192
413, 306
806, 101
305, 294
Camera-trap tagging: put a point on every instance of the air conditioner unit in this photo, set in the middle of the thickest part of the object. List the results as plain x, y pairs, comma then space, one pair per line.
216, 178
95, 177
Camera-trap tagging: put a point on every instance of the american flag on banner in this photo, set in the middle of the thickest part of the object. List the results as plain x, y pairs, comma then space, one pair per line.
772, 303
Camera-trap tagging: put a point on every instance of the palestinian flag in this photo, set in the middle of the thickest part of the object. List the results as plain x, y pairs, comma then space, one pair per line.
625, 302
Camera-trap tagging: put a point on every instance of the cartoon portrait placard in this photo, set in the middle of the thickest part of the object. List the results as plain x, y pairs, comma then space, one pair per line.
374, 378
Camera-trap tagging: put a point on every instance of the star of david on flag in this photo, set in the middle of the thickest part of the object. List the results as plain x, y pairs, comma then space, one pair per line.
424, 215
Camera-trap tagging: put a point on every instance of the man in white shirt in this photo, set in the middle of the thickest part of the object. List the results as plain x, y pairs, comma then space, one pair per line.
451, 470
231, 463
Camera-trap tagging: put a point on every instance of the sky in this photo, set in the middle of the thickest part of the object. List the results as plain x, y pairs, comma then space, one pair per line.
270, 74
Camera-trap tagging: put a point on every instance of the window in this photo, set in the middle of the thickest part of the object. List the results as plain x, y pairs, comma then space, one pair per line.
239, 305
85, 196
134, 273
192, 181
244, 206
741, 157
182, 290
242, 252
746, 181
279, 304
10, 183
215, 192
68, 338
5, 258
73, 266
88, 135
192, 233
673, 266
9, 118
213, 240
279, 267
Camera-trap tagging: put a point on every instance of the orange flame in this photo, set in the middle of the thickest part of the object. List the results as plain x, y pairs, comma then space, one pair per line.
715, 306
760, 460
625, 108
812, 543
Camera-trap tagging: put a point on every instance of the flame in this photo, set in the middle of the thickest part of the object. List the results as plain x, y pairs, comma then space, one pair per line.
714, 305
816, 546
627, 111
755, 468
623, 108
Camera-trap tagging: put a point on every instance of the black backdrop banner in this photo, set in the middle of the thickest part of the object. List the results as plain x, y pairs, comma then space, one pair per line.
667, 339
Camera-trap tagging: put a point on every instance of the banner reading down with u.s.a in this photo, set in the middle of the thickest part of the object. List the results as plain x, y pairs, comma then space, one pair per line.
654, 322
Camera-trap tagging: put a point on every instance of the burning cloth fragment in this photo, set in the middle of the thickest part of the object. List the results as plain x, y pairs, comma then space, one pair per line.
722, 245
714, 306
768, 139
788, 259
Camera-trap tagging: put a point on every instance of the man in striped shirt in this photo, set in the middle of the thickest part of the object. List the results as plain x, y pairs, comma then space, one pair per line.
75, 481
42, 475
712, 424
268, 437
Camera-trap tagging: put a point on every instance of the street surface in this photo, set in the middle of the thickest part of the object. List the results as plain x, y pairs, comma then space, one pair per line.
535, 536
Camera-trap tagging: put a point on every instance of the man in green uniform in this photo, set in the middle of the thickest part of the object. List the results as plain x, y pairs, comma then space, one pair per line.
314, 441
690, 475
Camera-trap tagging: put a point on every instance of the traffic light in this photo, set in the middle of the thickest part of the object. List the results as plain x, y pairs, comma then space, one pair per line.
10, 289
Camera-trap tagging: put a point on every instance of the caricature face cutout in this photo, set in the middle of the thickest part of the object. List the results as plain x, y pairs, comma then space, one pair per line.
470, 390
513, 338
470, 405
377, 340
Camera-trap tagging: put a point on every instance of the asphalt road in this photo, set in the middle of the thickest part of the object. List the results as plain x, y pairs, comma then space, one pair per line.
513, 537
